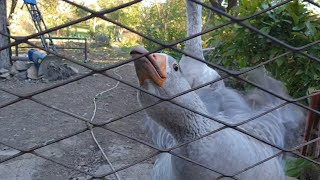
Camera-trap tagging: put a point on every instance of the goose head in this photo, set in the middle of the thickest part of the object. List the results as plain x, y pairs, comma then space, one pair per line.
161, 75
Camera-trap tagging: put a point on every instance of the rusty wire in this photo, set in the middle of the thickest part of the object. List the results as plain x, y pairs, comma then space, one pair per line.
101, 14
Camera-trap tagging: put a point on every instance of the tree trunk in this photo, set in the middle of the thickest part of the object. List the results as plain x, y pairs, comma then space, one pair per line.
4, 54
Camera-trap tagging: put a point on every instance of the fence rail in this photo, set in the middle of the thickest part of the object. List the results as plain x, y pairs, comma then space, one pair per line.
84, 48
91, 125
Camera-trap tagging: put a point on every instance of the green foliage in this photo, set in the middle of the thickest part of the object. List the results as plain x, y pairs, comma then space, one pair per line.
56, 13
165, 22
297, 167
292, 24
172, 53
129, 16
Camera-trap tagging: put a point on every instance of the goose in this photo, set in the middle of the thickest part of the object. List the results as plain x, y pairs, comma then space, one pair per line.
227, 151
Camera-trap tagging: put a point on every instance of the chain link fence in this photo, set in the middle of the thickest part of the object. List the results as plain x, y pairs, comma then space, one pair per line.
91, 125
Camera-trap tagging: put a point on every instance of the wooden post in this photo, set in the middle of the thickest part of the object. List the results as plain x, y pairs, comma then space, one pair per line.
85, 50
4, 40
17, 50
312, 128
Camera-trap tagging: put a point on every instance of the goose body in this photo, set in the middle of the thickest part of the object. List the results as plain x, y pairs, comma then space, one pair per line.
227, 151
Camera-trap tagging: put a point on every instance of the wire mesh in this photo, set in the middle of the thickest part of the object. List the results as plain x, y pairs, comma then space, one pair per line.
102, 71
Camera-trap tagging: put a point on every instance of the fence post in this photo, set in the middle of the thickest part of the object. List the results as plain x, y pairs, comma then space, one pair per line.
17, 51
85, 50
312, 124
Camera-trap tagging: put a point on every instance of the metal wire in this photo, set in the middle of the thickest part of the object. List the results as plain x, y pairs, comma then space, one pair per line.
92, 125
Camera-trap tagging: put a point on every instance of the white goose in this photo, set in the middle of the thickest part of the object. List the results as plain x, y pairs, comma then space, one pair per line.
227, 151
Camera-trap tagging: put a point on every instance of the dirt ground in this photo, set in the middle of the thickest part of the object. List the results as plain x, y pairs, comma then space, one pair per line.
27, 125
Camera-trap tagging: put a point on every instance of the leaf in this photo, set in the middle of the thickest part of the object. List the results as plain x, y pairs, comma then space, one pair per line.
230, 52
265, 30
266, 23
288, 21
273, 53
299, 27
264, 5
271, 15
237, 26
299, 72
311, 28
295, 166
280, 61
316, 77
242, 63
293, 12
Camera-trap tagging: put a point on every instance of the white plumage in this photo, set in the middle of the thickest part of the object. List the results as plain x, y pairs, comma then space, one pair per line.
227, 151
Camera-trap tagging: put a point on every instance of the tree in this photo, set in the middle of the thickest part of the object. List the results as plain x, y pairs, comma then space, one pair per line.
4, 40
293, 23
166, 22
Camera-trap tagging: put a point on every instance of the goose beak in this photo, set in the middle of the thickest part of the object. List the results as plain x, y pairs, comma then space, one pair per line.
152, 67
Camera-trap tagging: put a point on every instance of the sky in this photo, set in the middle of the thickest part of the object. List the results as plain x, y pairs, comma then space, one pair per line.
86, 2
149, 2
144, 2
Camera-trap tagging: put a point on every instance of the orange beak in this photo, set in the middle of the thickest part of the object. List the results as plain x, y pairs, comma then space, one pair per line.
153, 66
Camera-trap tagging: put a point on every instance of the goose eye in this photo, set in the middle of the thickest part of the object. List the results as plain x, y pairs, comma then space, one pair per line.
175, 66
